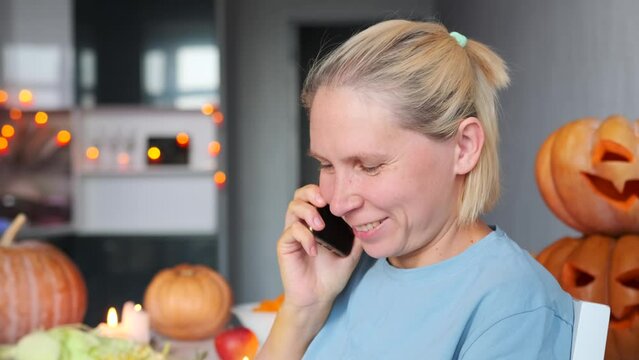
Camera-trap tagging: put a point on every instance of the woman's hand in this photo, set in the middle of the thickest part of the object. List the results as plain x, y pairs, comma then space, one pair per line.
312, 276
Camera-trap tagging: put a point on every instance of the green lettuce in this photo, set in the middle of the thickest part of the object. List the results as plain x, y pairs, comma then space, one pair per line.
77, 343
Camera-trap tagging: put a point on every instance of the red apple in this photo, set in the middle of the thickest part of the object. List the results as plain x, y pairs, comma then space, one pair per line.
236, 343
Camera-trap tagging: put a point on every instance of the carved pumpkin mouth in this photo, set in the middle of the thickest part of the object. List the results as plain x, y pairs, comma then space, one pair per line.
606, 189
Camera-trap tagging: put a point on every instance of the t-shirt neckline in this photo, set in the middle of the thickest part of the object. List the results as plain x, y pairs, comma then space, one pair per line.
461, 261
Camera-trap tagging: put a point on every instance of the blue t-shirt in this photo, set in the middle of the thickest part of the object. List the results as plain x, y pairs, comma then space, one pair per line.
492, 301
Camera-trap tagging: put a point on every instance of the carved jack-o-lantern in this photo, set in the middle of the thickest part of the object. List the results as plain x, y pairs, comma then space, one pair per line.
604, 270
588, 174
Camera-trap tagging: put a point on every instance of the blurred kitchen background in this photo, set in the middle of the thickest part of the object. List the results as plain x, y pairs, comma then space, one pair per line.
142, 134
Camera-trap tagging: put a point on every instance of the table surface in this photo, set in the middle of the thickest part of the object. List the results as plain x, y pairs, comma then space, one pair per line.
259, 322
187, 350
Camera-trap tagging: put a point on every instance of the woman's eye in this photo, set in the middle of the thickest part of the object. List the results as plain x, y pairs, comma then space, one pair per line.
371, 170
325, 167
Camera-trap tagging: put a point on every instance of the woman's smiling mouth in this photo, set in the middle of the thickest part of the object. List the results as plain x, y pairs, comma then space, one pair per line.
367, 229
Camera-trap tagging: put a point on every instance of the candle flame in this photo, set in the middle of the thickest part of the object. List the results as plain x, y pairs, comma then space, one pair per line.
112, 317
137, 307
245, 358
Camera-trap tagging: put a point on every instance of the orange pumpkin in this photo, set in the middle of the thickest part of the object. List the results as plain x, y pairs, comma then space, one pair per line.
588, 175
40, 287
605, 270
188, 302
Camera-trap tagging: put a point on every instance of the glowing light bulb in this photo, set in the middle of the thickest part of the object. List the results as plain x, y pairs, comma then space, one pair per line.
63, 137
7, 131
219, 178
124, 159
112, 317
25, 97
154, 153
214, 148
4, 96
92, 153
41, 118
208, 109
15, 114
4, 144
218, 118
182, 139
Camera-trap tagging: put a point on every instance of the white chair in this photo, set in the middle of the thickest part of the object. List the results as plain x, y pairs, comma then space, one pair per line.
590, 330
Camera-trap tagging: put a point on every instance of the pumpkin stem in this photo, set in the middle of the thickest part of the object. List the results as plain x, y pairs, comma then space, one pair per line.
11, 232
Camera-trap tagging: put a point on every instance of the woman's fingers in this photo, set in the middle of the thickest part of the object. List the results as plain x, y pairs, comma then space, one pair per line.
304, 207
295, 236
310, 193
301, 211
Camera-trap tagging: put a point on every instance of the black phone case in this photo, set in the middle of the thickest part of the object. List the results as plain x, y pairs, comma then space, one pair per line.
336, 236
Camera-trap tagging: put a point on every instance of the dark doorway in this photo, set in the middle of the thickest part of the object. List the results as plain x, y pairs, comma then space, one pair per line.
315, 41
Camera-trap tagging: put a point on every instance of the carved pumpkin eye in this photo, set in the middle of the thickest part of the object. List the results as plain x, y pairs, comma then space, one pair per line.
577, 277
608, 150
630, 279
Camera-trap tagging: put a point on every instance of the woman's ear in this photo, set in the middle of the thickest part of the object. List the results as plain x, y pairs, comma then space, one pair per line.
469, 143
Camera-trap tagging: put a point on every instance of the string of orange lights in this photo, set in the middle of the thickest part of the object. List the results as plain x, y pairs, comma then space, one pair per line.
17, 114
63, 137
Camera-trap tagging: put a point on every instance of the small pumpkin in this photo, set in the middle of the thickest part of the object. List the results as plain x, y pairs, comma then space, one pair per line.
188, 302
588, 175
40, 287
605, 270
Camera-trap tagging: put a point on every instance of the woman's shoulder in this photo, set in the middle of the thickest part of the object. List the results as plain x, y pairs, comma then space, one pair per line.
518, 282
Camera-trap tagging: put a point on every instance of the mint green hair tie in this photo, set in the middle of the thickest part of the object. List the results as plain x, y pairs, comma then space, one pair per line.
461, 39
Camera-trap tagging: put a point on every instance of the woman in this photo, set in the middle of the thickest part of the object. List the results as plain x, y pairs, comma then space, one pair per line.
403, 123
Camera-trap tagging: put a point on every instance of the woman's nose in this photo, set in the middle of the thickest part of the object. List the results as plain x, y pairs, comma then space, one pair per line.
345, 197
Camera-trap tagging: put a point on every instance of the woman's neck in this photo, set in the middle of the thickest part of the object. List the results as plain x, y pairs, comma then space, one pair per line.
450, 241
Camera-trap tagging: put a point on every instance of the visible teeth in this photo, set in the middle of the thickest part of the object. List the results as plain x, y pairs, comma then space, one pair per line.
368, 227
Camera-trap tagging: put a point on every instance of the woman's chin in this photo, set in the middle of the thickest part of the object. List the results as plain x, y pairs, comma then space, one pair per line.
376, 251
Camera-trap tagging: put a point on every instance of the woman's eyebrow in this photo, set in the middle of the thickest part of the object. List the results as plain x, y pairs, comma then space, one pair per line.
310, 153
355, 157
368, 157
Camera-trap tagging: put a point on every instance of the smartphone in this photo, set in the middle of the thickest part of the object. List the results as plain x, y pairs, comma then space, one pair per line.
336, 236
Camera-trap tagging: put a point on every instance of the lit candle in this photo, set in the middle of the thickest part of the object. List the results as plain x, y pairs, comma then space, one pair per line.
112, 328
135, 322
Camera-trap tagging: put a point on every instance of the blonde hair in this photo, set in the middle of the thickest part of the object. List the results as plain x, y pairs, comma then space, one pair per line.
433, 82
